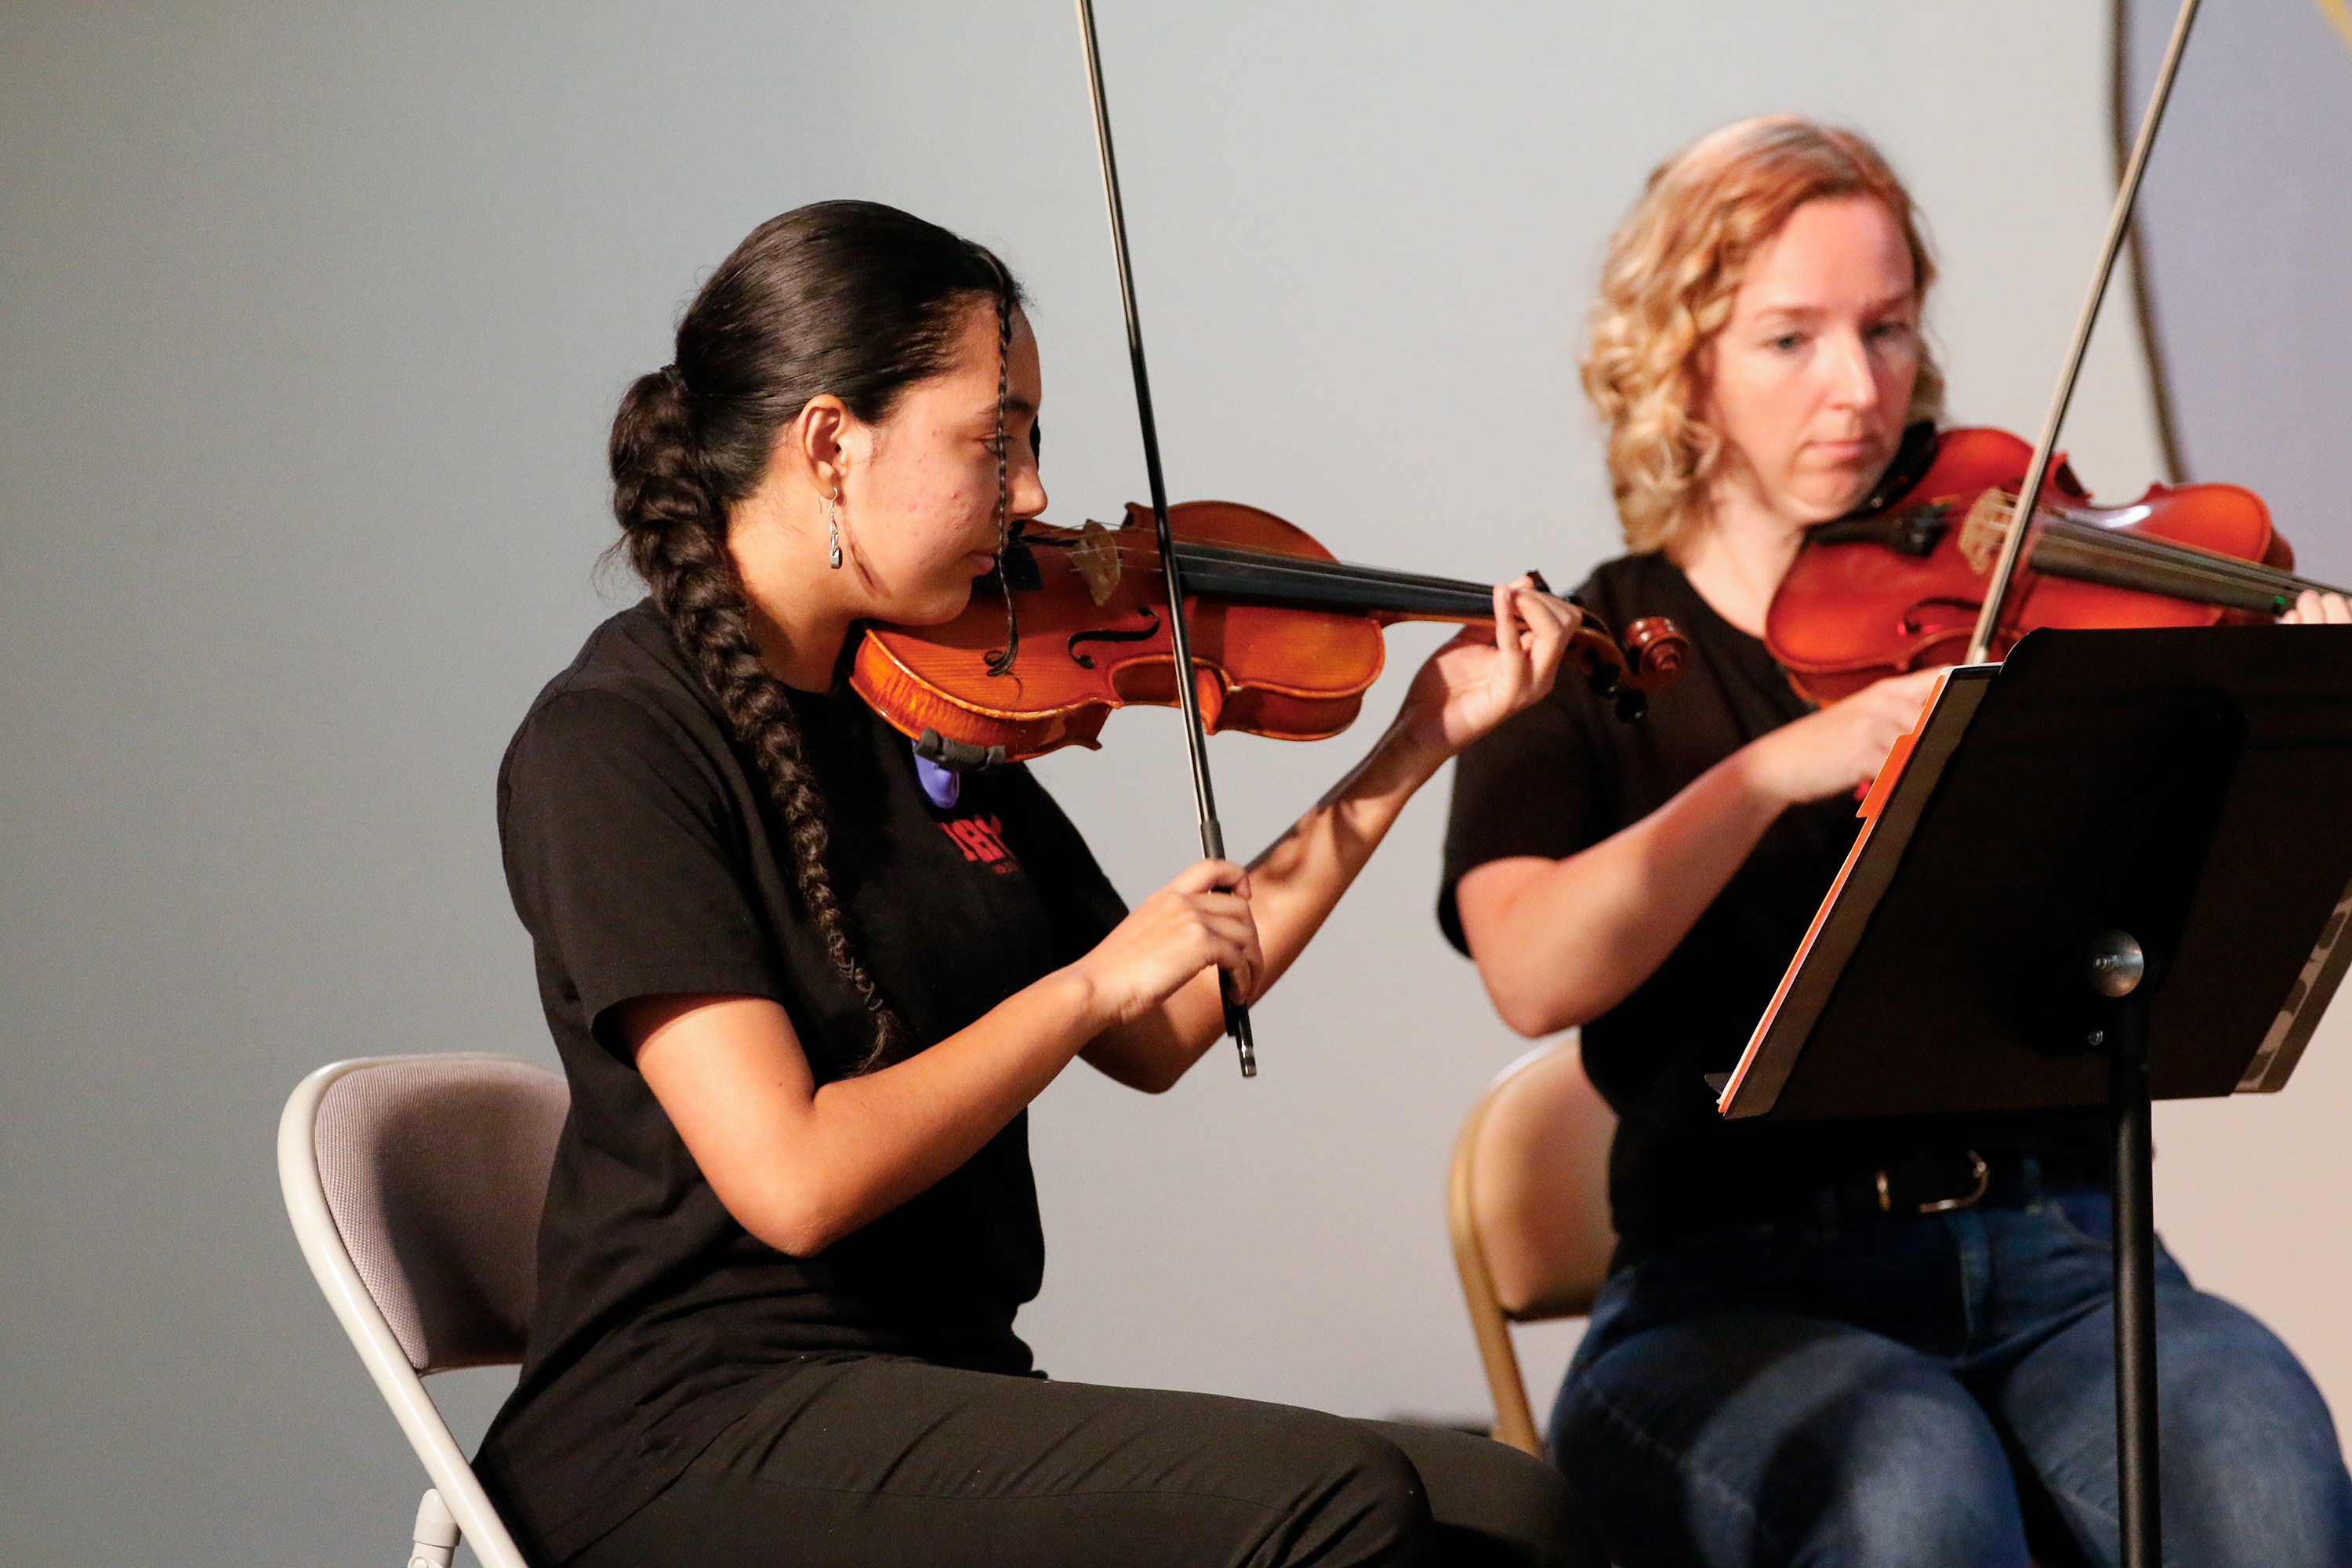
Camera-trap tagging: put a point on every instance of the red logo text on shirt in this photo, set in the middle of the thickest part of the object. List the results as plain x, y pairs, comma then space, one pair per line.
981, 838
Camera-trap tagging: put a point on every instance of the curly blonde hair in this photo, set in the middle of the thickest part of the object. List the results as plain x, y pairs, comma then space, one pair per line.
1667, 291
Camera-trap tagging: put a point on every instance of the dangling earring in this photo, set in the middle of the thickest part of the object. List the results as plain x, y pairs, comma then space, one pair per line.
833, 526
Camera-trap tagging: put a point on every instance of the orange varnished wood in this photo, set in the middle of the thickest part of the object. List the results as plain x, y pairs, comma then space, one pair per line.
1851, 614
1250, 657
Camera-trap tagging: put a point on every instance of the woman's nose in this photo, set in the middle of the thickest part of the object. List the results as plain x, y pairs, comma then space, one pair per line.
1847, 366
1026, 496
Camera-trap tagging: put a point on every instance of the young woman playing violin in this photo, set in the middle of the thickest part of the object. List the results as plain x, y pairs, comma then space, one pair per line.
1869, 1342
803, 989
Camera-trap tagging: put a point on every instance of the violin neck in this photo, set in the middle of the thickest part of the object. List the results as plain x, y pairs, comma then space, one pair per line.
2092, 551
1223, 572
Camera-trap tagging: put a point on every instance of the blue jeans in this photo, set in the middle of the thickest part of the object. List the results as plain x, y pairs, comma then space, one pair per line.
1909, 1390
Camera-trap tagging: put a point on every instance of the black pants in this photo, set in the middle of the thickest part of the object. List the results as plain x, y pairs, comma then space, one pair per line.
877, 1461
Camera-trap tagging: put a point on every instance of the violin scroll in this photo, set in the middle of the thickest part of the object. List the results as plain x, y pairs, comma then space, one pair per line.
1653, 652
1648, 659
1659, 647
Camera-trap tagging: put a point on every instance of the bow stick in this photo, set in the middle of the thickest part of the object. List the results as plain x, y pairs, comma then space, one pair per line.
2028, 495
2138, 1510
1213, 835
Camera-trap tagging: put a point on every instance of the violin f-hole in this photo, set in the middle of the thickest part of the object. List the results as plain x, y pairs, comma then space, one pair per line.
1912, 625
1143, 633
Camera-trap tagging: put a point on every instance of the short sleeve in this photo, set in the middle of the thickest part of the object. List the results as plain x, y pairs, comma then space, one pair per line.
1080, 903
627, 859
1531, 787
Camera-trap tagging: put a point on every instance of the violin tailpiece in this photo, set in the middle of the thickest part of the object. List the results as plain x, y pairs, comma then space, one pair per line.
1913, 531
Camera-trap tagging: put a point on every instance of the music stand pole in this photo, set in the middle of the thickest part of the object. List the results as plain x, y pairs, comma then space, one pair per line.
2118, 971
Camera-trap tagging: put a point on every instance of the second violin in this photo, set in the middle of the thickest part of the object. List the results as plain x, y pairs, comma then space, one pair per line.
1898, 584
1285, 639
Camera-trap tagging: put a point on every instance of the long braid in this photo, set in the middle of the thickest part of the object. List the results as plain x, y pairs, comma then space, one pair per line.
849, 298
999, 661
676, 537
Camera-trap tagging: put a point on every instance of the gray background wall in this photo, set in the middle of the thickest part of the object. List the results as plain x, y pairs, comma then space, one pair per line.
2247, 221
310, 321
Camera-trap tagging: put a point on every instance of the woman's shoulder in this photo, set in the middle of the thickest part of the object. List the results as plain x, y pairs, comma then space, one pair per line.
1632, 588
1646, 584
627, 693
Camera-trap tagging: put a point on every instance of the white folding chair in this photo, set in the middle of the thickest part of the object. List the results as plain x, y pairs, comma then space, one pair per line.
415, 1185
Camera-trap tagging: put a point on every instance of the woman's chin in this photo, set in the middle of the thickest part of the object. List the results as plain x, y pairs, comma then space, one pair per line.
1818, 497
937, 607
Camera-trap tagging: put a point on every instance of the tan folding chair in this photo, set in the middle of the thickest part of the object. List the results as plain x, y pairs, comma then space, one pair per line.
1527, 1204
415, 1185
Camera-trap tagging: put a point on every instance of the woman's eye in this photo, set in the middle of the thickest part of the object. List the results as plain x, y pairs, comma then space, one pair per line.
1787, 342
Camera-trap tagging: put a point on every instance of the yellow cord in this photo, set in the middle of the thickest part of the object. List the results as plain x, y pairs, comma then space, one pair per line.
2339, 12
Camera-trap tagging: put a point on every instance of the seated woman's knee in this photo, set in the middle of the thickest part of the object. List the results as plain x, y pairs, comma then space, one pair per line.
1794, 1441
1352, 1496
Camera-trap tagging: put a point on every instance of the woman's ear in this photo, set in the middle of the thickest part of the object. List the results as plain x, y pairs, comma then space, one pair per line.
823, 433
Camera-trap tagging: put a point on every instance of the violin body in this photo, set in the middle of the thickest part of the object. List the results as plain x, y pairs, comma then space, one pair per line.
1900, 588
1285, 639
1079, 659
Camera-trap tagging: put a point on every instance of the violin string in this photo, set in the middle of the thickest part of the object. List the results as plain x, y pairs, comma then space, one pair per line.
1146, 559
2212, 566
2168, 553
2172, 553
1307, 574
1309, 578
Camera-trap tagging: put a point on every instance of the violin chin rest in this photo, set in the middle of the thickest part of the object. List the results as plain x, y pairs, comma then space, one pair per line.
956, 756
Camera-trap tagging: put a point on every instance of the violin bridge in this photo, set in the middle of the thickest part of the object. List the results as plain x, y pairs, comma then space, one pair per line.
1096, 556
1985, 528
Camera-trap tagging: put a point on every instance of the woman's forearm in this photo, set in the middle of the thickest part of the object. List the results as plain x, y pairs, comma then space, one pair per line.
1558, 942
1561, 941
1295, 882
1463, 690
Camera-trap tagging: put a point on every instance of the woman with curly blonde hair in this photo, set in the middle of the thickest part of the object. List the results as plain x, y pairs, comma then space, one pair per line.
1668, 292
1882, 1342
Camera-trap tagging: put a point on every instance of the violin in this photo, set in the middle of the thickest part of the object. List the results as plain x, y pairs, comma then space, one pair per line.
1285, 639
1899, 583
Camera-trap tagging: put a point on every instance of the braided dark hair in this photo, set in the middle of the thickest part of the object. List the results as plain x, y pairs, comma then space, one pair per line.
853, 299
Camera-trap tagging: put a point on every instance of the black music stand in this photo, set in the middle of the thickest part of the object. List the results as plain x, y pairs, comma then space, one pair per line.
2117, 866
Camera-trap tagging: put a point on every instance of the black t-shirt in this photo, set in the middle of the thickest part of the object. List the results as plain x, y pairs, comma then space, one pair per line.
646, 858
1566, 775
